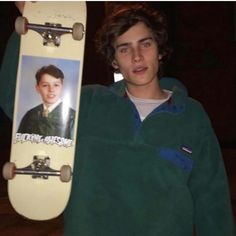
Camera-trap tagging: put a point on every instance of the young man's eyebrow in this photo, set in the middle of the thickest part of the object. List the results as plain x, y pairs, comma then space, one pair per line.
128, 43
122, 45
145, 39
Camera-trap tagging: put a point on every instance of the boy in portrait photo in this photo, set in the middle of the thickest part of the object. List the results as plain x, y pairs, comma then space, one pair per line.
52, 117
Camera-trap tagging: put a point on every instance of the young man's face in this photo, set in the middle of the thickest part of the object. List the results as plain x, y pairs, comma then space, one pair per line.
137, 56
50, 89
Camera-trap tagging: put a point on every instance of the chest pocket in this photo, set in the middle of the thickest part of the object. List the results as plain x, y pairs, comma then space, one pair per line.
177, 158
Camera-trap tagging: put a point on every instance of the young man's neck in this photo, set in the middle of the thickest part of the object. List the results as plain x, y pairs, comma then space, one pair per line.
148, 91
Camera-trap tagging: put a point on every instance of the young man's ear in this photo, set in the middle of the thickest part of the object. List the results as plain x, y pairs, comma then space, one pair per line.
160, 57
114, 64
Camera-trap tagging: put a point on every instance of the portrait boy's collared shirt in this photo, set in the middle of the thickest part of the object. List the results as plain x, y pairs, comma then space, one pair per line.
52, 107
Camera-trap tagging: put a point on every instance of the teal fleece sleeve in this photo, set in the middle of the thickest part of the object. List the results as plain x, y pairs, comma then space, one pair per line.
209, 187
8, 74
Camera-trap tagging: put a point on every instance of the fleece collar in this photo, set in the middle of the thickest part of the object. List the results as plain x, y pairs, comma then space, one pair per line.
177, 102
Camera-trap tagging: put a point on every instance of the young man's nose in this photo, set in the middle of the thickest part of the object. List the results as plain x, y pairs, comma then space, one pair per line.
137, 55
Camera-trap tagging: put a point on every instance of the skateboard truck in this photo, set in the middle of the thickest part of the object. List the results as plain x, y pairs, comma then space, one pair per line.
51, 32
38, 169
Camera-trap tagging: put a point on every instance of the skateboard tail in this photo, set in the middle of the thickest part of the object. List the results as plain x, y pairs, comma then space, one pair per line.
38, 208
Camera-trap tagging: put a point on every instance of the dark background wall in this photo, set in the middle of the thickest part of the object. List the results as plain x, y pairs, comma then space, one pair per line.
203, 35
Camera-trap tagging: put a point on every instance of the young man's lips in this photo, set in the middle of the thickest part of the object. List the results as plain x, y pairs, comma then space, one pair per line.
139, 69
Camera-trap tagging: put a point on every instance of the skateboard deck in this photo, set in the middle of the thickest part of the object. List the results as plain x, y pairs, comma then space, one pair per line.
40, 169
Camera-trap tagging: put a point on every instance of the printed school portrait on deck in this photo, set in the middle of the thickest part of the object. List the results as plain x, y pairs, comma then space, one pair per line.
46, 105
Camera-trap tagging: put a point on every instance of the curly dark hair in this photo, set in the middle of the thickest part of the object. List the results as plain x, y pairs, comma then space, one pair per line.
51, 70
123, 17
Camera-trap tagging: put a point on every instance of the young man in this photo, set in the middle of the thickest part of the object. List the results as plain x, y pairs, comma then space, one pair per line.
52, 117
147, 160
149, 163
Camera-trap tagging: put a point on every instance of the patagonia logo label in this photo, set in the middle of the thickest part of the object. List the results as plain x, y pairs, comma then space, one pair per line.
187, 149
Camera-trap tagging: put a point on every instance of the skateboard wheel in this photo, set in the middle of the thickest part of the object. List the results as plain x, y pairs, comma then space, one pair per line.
78, 31
8, 170
21, 25
65, 173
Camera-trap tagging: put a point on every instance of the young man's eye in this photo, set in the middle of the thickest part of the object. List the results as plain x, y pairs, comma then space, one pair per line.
123, 50
146, 44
